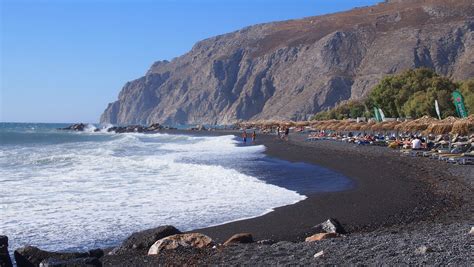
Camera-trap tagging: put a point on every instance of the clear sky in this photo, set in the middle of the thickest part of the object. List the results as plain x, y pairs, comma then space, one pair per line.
65, 60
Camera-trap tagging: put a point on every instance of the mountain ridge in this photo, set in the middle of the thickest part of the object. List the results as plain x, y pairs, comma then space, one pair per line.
293, 69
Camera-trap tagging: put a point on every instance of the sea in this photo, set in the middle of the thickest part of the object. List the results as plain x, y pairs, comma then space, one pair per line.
71, 191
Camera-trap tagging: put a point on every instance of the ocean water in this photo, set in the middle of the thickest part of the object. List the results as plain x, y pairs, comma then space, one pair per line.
62, 190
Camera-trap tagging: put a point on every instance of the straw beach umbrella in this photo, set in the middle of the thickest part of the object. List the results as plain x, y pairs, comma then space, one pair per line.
441, 127
367, 126
417, 125
464, 126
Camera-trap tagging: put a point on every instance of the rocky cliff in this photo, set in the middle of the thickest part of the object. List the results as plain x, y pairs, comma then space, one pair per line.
295, 68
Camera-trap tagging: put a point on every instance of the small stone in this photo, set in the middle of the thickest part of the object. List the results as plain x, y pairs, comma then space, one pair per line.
242, 238
319, 254
266, 242
320, 236
472, 231
88, 261
423, 250
330, 226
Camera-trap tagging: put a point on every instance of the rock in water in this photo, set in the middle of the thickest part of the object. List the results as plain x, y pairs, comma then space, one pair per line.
5, 260
75, 127
293, 69
191, 240
242, 238
329, 226
320, 236
30, 256
142, 241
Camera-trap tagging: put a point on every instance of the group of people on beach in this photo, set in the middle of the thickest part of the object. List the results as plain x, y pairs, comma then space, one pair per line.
286, 132
244, 136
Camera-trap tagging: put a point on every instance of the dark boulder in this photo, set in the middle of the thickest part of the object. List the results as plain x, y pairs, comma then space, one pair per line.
89, 262
242, 238
135, 129
75, 127
5, 260
329, 226
142, 241
33, 256
127, 129
154, 127
96, 253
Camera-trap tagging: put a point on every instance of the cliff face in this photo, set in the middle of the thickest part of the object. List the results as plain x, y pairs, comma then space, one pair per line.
292, 69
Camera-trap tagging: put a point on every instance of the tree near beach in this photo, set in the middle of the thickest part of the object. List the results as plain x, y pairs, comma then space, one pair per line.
411, 93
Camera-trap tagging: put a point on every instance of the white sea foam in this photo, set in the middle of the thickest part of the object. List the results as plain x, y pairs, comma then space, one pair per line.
90, 193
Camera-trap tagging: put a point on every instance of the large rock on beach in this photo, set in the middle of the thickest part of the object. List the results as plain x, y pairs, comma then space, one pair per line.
31, 256
142, 241
190, 240
242, 238
321, 236
5, 260
329, 226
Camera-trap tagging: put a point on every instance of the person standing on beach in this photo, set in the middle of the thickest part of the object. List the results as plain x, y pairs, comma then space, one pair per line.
278, 132
254, 136
244, 136
287, 132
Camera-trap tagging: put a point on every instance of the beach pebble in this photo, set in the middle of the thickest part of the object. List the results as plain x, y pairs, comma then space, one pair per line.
194, 240
266, 242
330, 226
319, 254
242, 238
320, 236
88, 261
472, 231
422, 250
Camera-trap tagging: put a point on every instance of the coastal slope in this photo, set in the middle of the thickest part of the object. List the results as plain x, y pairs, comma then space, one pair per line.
292, 69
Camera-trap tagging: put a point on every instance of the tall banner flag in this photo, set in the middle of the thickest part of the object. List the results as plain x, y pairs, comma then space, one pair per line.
382, 115
377, 115
437, 109
458, 101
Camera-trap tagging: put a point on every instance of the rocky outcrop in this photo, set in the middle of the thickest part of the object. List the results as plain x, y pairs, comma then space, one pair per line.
295, 68
190, 240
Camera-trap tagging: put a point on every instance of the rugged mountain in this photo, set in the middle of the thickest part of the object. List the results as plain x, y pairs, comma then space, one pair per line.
291, 69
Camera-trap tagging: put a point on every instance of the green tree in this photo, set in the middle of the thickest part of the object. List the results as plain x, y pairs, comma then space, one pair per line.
411, 93
467, 91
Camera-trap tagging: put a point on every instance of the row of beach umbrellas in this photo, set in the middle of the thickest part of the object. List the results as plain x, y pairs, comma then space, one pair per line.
424, 125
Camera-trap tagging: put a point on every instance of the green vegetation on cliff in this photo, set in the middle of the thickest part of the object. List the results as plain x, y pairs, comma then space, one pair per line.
409, 94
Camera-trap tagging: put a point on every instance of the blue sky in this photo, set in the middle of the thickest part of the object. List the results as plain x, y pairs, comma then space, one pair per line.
65, 60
